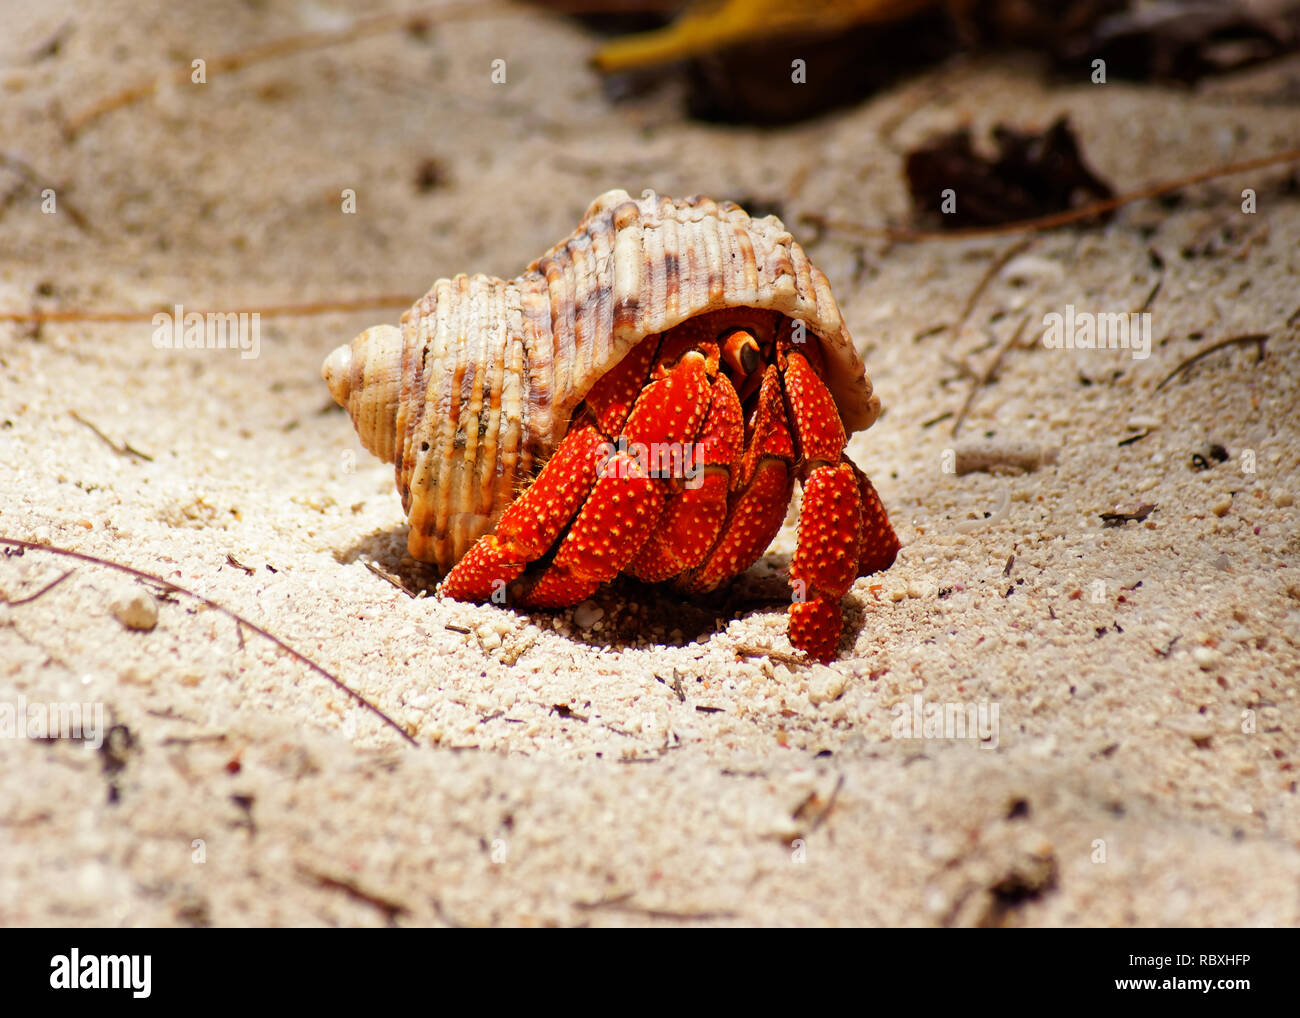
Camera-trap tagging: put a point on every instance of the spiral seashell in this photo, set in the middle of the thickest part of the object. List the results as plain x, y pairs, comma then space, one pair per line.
473, 392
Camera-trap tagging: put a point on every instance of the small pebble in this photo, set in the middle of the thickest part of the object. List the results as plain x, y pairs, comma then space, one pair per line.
1282, 499
1205, 657
1032, 268
826, 684
136, 609
588, 614
1197, 726
1222, 505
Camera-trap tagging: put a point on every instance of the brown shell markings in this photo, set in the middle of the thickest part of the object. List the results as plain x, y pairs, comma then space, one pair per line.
475, 389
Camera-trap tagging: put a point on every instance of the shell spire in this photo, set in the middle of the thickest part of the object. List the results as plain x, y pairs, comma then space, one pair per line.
363, 377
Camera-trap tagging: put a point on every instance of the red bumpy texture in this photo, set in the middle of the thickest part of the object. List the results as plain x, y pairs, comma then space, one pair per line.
663, 476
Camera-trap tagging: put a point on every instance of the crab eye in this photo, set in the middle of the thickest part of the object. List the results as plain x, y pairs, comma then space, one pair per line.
740, 351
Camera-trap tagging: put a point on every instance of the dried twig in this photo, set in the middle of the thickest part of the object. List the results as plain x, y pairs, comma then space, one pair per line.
230, 558
121, 448
52, 44
623, 903
675, 685
1258, 338
1118, 519
996, 266
821, 817
40, 593
1151, 297
151, 578
192, 740
390, 908
39, 180
308, 41
988, 374
384, 574
743, 650
270, 311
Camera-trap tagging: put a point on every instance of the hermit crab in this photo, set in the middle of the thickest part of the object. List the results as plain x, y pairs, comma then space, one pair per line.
641, 400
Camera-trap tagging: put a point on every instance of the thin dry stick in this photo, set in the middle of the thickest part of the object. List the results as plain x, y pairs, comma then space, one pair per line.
40, 593
39, 180
1151, 297
1055, 219
384, 574
623, 903
168, 585
830, 805
999, 263
271, 311
122, 449
416, 17
390, 908
1258, 338
988, 374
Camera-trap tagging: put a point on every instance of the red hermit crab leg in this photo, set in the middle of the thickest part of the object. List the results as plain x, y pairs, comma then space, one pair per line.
760, 495
533, 522
879, 543
625, 504
830, 521
825, 559
693, 518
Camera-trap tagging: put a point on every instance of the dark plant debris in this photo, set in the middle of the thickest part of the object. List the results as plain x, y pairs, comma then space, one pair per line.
1208, 455
1183, 41
1029, 175
1118, 519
